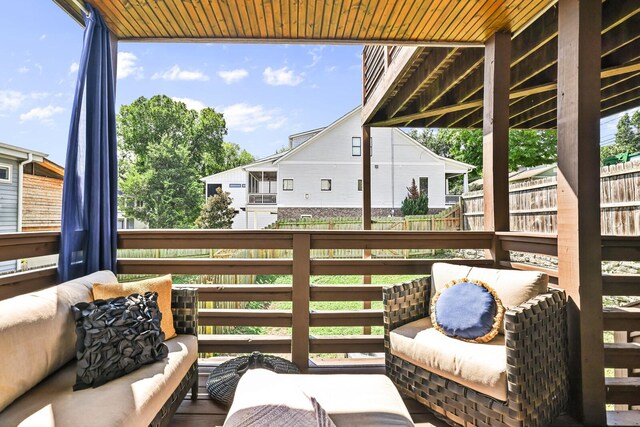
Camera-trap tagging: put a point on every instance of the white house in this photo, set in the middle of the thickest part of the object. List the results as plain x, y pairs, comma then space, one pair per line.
320, 176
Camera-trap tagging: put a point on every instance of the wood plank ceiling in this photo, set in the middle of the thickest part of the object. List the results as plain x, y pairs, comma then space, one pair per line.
443, 87
332, 21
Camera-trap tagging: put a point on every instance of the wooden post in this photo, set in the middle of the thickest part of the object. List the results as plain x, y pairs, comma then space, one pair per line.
495, 146
579, 242
366, 178
300, 296
366, 205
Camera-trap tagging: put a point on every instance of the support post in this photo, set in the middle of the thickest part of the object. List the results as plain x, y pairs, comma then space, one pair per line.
300, 295
579, 241
366, 205
495, 145
366, 178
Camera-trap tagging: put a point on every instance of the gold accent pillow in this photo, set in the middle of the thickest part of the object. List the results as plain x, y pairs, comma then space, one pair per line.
162, 285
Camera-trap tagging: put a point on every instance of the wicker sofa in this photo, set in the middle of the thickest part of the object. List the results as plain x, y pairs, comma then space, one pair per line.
37, 338
518, 379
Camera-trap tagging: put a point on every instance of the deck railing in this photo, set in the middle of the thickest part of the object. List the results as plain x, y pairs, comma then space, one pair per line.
299, 246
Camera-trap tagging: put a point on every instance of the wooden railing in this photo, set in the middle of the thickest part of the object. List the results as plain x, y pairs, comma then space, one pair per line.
300, 264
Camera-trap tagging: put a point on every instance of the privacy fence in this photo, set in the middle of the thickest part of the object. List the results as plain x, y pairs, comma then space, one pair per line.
533, 204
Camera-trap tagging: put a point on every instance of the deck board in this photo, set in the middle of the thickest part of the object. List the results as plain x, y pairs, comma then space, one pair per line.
205, 412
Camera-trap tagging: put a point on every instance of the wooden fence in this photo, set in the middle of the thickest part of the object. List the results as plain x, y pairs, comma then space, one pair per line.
533, 204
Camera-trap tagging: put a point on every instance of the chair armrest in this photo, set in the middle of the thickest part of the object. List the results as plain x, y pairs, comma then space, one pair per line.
537, 352
184, 306
405, 302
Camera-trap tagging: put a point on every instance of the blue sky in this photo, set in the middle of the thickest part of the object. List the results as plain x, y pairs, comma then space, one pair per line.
266, 92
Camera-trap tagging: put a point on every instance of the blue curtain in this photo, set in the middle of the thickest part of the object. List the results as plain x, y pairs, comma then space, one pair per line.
89, 197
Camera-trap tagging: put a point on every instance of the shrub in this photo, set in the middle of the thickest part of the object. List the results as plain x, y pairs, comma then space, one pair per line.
416, 203
217, 211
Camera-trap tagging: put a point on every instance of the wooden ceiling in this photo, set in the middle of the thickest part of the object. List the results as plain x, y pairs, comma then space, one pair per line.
443, 87
331, 21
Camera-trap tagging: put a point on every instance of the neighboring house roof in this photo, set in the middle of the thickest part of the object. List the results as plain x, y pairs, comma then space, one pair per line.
19, 153
267, 159
545, 170
306, 132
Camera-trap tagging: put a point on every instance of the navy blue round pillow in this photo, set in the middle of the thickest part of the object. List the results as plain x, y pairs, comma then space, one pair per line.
468, 310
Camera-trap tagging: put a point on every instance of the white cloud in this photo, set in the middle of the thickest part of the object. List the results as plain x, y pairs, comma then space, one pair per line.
248, 118
233, 76
315, 55
43, 114
282, 77
42, 37
176, 73
128, 66
192, 104
331, 68
74, 67
10, 100
23, 70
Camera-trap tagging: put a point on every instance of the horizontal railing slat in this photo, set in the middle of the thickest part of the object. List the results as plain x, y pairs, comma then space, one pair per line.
346, 292
621, 284
346, 318
244, 317
205, 239
529, 242
346, 344
243, 292
401, 240
23, 282
29, 244
621, 248
203, 266
244, 343
384, 266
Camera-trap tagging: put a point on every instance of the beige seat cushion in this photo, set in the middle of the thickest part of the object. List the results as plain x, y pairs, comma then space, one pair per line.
37, 333
132, 400
513, 287
350, 400
481, 367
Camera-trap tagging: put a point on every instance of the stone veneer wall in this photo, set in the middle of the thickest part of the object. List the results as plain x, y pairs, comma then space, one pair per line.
296, 213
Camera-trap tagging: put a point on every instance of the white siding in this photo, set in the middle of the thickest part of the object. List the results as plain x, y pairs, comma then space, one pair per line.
230, 180
9, 207
329, 156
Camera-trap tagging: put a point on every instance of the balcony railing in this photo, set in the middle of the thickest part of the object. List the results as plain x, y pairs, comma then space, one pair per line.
295, 253
262, 199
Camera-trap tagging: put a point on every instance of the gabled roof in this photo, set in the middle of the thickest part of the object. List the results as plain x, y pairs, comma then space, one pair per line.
267, 159
20, 153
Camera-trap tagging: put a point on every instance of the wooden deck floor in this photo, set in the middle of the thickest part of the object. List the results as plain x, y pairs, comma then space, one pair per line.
204, 412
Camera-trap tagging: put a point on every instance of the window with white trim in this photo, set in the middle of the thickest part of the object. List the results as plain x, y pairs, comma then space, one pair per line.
356, 146
5, 173
325, 185
287, 184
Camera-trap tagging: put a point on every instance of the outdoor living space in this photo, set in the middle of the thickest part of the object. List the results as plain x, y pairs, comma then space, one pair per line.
546, 354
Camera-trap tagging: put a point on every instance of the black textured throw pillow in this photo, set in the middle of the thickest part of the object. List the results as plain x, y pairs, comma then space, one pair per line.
116, 336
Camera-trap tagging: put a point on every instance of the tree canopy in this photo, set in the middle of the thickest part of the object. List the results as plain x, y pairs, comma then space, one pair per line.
627, 138
217, 211
527, 148
164, 149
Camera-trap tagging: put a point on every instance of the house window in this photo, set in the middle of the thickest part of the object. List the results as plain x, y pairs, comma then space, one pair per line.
139, 204
287, 184
356, 146
424, 185
359, 185
325, 184
211, 189
5, 173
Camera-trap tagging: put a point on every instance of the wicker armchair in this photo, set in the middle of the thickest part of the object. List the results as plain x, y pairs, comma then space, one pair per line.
536, 349
184, 306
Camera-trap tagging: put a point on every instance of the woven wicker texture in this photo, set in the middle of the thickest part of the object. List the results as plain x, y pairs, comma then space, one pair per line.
223, 380
184, 306
537, 373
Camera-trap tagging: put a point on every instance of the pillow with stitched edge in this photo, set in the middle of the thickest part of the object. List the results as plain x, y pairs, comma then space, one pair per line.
468, 310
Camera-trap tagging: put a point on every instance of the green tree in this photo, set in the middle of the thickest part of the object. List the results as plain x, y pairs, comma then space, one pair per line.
527, 148
231, 157
627, 138
164, 148
416, 202
217, 211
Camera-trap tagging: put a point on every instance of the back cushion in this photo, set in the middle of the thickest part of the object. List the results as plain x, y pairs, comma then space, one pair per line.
37, 333
513, 287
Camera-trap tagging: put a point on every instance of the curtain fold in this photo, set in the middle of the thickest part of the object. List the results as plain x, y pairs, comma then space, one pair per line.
90, 194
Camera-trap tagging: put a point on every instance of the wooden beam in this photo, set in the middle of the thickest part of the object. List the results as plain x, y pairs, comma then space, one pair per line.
366, 178
495, 146
579, 253
300, 301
